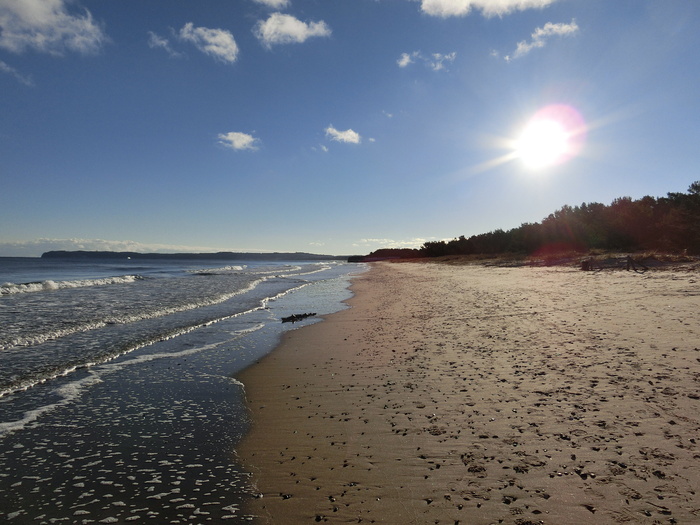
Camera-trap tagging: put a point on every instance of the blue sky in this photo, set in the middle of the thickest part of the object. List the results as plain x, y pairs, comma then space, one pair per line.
330, 126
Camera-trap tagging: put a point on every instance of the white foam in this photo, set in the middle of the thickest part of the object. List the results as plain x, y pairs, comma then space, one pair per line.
245, 331
49, 285
268, 300
71, 391
215, 271
126, 319
68, 393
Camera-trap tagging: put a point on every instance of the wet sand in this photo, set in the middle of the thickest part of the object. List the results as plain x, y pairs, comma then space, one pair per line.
466, 394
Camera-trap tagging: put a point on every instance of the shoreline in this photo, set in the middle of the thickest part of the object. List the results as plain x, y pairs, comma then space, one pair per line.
482, 395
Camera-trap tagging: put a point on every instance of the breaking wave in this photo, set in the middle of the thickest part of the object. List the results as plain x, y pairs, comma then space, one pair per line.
47, 286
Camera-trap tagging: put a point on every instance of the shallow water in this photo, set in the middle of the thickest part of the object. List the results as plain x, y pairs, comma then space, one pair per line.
149, 433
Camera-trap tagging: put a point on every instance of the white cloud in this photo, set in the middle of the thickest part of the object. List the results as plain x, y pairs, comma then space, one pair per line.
285, 29
374, 244
438, 60
238, 141
274, 4
46, 26
447, 8
540, 37
343, 136
35, 247
218, 43
435, 61
157, 42
4, 68
406, 59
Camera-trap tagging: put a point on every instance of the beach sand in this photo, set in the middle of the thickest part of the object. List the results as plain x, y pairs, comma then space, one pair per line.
479, 395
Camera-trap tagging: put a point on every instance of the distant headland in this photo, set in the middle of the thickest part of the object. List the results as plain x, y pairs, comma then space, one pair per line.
218, 256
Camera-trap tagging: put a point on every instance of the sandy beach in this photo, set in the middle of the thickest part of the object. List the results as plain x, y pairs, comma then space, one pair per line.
480, 395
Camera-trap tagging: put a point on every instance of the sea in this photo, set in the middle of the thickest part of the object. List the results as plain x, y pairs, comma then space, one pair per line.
118, 397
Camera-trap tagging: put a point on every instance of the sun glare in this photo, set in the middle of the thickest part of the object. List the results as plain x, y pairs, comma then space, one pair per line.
542, 143
552, 136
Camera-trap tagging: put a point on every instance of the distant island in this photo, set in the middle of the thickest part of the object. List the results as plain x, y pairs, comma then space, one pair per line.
218, 256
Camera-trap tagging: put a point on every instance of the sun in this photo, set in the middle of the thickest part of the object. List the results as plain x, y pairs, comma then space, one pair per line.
542, 144
552, 136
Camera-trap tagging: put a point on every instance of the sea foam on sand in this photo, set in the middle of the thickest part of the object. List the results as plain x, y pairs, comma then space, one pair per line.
485, 395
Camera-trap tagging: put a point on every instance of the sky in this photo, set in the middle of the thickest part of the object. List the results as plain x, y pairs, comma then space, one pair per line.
333, 126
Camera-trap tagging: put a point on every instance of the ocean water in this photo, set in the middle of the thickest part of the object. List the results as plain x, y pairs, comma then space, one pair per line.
118, 402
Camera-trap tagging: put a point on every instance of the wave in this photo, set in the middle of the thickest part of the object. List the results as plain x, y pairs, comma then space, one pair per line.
298, 271
42, 337
99, 362
44, 286
266, 302
73, 390
217, 271
79, 371
286, 271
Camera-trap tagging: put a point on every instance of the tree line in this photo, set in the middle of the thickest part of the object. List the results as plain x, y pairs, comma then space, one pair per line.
669, 224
